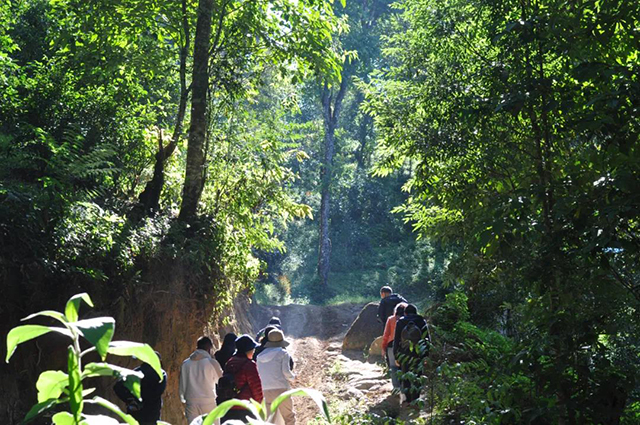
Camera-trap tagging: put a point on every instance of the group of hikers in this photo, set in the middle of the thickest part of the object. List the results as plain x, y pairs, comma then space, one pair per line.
241, 369
246, 369
403, 331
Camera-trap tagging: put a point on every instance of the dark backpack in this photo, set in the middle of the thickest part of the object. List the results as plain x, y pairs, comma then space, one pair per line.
227, 389
410, 336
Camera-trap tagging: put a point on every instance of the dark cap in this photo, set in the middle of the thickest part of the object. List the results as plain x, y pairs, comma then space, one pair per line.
275, 321
245, 343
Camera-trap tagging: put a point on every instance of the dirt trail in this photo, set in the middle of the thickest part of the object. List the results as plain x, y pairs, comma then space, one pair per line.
316, 334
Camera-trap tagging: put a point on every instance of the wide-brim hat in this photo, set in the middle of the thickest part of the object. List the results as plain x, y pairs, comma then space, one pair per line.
276, 339
245, 343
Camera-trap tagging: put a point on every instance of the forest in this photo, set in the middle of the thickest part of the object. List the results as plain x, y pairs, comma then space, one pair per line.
183, 160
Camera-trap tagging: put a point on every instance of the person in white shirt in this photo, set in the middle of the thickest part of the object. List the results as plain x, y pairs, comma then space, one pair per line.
199, 375
275, 372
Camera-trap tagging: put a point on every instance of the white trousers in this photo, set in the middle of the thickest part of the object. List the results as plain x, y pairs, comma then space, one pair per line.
194, 410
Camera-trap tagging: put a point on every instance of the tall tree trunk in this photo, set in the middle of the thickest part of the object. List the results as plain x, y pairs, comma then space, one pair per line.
331, 111
150, 197
194, 176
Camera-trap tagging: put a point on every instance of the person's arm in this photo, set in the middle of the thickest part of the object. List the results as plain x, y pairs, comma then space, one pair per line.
381, 310
396, 338
217, 368
183, 384
254, 382
286, 368
386, 336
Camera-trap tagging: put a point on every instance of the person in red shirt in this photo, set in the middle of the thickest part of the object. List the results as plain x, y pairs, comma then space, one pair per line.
387, 342
245, 373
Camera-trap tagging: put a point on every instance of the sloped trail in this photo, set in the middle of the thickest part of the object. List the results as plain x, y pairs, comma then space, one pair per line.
316, 334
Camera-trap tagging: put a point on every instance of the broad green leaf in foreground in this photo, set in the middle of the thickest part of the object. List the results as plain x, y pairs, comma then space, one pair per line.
24, 333
38, 409
113, 408
50, 384
99, 420
98, 331
142, 352
75, 383
315, 395
48, 313
222, 410
73, 305
131, 378
63, 418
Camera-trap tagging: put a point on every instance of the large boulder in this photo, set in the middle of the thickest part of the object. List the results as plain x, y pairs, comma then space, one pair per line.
364, 329
375, 350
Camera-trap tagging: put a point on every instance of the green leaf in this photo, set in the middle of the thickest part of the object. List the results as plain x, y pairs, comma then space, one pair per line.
63, 418
48, 313
98, 331
131, 378
142, 352
39, 408
50, 384
113, 408
100, 420
24, 333
315, 395
73, 305
222, 410
75, 383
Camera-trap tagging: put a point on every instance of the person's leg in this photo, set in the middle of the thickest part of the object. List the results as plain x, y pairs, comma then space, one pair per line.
269, 397
405, 385
413, 392
287, 412
393, 369
193, 410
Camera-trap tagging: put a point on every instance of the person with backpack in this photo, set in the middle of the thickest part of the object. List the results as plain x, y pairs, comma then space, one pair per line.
274, 367
198, 377
388, 302
408, 350
146, 411
241, 379
387, 343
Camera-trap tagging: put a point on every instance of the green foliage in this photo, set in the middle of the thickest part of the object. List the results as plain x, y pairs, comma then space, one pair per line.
262, 415
520, 121
57, 387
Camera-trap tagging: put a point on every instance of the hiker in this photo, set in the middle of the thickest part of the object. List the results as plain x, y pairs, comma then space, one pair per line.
228, 348
388, 301
387, 342
245, 377
198, 377
147, 411
264, 341
273, 322
410, 330
275, 372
